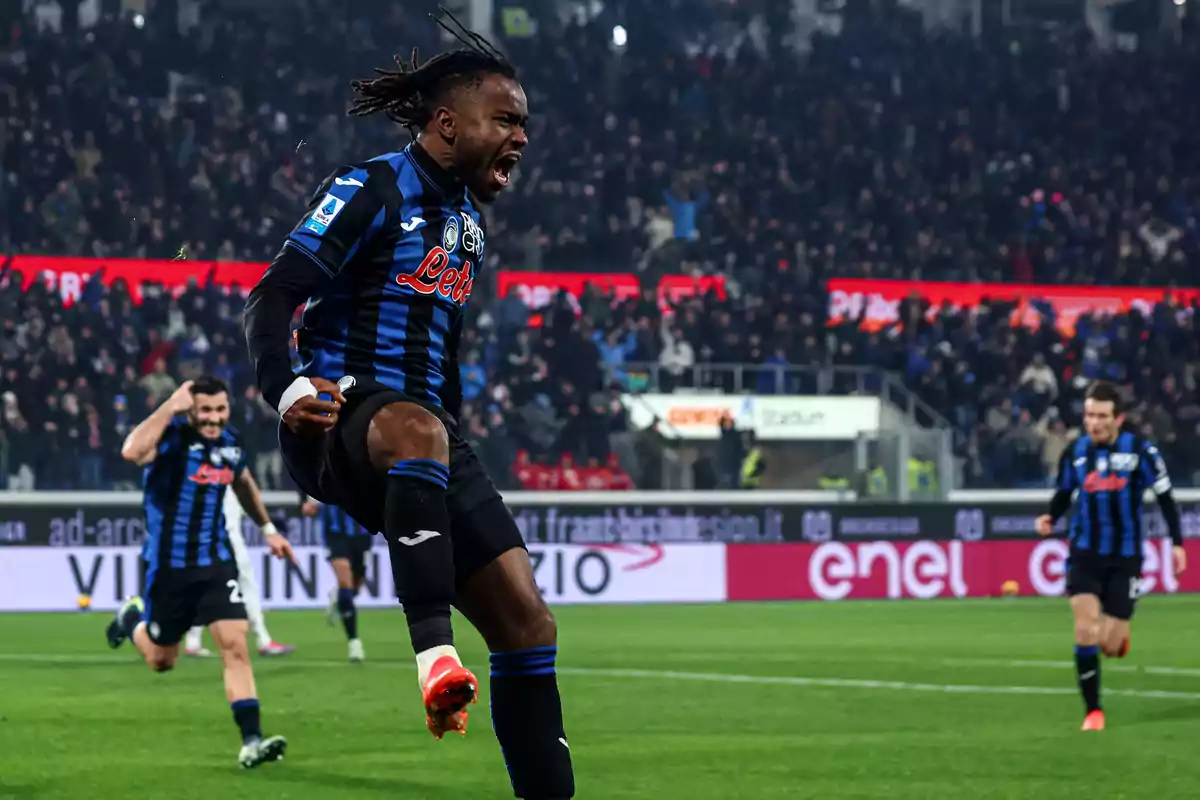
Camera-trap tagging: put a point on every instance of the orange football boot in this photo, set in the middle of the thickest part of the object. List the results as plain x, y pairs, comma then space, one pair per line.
447, 692
1094, 721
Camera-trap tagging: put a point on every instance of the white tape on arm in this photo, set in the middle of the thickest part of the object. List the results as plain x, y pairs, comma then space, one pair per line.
301, 387
269, 529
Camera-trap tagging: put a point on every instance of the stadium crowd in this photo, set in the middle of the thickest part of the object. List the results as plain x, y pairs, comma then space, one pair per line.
704, 145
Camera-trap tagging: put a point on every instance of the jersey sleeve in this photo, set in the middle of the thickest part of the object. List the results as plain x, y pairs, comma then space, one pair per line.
243, 462
1067, 479
347, 209
1154, 469
172, 436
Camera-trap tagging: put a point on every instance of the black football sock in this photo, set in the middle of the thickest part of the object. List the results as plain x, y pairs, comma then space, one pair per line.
418, 536
345, 603
1087, 667
527, 718
246, 715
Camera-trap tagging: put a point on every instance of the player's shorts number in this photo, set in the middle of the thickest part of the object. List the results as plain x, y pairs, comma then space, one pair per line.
1135, 585
235, 591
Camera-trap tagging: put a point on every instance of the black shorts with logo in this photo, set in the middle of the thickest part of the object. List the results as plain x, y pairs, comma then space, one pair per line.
177, 599
337, 469
352, 548
1114, 579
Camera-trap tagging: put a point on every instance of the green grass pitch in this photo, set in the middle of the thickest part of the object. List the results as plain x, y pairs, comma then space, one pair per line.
942, 699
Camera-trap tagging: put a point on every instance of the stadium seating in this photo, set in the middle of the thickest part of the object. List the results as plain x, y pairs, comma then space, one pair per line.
702, 149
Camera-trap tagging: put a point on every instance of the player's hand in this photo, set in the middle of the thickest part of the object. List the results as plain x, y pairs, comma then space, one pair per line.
310, 416
1044, 525
280, 547
1179, 559
180, 401
310, 508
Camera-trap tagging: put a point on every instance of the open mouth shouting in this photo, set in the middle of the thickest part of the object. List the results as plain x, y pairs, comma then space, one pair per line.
502, 168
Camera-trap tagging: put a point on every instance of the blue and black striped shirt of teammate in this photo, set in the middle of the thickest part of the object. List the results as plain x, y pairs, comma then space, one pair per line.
335, 521
184, 496
1111, 470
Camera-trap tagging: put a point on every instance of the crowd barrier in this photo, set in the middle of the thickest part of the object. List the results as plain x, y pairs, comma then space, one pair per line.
620, 547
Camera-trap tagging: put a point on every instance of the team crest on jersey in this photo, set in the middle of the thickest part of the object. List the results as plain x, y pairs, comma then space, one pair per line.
450, 234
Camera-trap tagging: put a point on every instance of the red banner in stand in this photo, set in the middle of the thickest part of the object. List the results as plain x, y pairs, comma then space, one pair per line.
878, 301
925, 569
69, 276
537, 289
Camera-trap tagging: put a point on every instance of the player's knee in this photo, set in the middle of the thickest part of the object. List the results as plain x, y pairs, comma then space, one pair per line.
236, 654
1114, 644
538, 628
404, 431
1087, 632
161, 662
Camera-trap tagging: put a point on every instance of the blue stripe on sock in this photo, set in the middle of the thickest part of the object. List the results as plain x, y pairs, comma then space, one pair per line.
345, 593
424, 469
1086, 650
515, 673
249, 703
534, 661
518, 659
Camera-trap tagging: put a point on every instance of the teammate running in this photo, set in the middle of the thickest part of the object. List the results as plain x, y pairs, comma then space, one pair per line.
385, 259
1111, 470
191, 576
348, 544
193, 645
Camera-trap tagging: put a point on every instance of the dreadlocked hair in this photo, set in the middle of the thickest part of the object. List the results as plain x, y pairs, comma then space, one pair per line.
407, 94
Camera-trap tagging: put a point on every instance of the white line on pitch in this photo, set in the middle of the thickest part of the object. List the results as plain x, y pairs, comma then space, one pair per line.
1108, 666
668, 675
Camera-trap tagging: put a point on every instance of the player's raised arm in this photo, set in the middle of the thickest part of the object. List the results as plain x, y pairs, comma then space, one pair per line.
250, 499
346, 210
141, 446
1154, 474
1065, 484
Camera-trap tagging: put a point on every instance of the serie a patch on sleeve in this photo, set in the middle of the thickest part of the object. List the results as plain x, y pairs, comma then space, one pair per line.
320, 220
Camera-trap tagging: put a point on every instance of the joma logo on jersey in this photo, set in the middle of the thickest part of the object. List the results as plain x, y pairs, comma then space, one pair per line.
208, 475
1096, 482
436, 276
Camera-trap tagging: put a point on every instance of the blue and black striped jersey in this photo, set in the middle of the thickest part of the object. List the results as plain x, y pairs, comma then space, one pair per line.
336, 522
1111, 480
401, 242
184, 493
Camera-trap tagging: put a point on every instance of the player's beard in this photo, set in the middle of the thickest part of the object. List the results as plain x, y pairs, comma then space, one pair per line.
210, 428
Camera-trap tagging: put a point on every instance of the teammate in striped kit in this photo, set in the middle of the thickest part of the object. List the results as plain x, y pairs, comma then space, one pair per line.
1111, 470
267, 646
190, 459
348, 544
